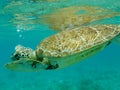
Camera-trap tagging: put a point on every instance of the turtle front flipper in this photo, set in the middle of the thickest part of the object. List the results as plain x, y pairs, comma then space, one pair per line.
26, 65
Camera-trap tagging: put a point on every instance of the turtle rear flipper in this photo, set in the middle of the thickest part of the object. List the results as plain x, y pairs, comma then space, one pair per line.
117, 39
26, 65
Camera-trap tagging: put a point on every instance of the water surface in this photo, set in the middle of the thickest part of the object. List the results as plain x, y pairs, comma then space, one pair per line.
27, 22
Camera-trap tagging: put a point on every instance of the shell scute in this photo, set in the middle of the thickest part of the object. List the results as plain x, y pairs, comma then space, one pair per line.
69, 42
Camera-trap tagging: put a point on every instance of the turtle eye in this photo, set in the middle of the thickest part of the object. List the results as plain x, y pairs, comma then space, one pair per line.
15, 57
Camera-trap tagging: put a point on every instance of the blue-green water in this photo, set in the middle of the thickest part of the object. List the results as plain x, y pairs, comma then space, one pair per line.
99, 72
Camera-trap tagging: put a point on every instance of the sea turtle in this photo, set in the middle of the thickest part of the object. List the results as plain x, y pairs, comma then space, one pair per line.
64, 48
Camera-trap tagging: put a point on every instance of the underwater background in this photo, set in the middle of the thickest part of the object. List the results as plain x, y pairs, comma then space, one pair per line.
27, 22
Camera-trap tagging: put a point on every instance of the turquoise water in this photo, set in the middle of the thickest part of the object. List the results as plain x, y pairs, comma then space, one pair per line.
99, 72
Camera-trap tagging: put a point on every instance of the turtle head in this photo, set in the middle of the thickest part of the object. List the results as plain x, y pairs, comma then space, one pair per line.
24, 59
23, 52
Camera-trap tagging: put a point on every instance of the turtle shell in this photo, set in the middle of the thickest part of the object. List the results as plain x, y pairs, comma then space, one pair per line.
69, 42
